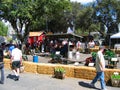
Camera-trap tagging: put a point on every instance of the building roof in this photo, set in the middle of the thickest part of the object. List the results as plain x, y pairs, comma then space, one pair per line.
31, 34
64, 35
117, 35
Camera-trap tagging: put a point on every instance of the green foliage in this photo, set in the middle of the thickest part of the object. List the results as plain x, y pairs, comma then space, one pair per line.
115, 77
60, 69
18, 9
85, 18
94, 54
109, 54
3, 29
34, 14
107, 9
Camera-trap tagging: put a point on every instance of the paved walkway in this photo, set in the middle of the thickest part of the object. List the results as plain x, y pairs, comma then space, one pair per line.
30, 81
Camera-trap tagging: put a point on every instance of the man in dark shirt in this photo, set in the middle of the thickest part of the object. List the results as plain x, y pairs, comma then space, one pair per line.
1, 65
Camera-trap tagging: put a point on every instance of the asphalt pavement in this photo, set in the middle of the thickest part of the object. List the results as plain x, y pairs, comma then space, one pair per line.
31, 81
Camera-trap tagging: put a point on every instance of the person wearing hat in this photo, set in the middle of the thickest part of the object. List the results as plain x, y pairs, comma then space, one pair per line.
100, 67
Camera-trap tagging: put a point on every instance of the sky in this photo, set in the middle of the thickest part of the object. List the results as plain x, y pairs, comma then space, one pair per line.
83, 1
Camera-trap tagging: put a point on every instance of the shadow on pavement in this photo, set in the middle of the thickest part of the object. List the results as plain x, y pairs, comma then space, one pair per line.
87, 85
11, 76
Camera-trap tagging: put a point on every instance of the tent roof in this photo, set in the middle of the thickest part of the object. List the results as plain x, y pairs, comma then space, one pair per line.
64, 35
31, 34
117, 35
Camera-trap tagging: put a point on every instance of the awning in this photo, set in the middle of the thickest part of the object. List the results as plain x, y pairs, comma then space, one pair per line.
31, 34
117, 35
63, 35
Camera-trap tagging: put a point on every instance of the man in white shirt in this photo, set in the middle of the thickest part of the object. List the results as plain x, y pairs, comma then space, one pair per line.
16, 61
100, 67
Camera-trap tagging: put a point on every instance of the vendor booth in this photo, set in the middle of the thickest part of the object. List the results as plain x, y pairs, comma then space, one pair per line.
116, 39
64, 35
36, 37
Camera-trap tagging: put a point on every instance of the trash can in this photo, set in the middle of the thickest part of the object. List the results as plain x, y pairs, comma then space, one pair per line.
35, 58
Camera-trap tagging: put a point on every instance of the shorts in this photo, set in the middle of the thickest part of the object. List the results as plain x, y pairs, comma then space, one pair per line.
15, 64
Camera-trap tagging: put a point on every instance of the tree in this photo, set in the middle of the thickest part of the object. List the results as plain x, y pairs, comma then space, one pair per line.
18, 13
31, 14
107, 13
83, 18
53, 14
3, 29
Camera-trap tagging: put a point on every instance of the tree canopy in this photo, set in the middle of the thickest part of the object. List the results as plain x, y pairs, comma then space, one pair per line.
54, 16
107, 12
31, 14
3, 29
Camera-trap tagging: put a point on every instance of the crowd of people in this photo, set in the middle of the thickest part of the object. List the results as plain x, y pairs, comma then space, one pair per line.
48, 45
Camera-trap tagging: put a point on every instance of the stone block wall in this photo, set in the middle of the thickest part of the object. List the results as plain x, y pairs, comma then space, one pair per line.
83, 72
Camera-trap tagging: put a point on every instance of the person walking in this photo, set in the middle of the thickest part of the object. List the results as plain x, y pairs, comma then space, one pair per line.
100, 67
16, 61
1, 65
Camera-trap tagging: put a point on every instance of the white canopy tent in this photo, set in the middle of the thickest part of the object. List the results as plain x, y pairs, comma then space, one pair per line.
117, 35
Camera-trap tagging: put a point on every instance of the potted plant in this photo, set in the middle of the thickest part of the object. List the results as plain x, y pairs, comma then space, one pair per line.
109, 54
59, 72
94, 56
115, 80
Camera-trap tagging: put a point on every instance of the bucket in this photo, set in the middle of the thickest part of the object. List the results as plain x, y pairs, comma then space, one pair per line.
35, 58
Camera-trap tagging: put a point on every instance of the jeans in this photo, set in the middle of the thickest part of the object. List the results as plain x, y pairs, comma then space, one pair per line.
2, 73
99, 76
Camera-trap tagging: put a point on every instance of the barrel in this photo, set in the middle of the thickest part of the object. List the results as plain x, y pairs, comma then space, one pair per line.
35, 58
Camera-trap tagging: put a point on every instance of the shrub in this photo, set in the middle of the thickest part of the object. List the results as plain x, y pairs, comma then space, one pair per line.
109, 54
115, 77
60, 69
